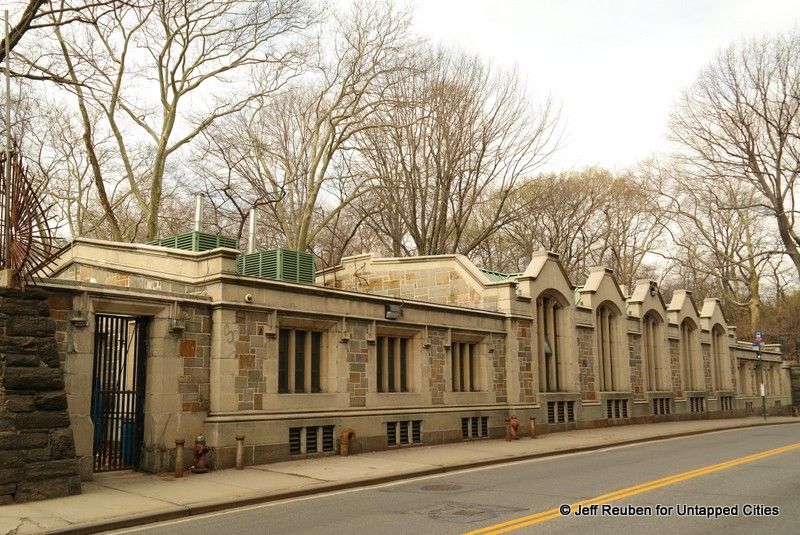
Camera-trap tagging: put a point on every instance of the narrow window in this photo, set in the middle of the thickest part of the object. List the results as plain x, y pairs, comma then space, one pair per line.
463, 367
393, 364
606, 325
548, 315
689, 355
299, 361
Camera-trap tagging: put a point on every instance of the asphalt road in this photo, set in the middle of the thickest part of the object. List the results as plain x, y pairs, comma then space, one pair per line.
761, 492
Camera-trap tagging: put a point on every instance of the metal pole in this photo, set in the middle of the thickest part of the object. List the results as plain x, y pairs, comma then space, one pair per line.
198, 211
763, 389
251, 234
6, 205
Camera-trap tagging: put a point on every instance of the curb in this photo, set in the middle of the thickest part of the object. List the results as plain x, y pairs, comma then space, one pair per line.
203, 508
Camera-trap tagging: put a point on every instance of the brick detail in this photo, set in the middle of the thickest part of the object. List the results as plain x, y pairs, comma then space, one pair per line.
585, 337
675, 367
438, 362
251, 352
498, 360
636, 365
357, 358
525, 356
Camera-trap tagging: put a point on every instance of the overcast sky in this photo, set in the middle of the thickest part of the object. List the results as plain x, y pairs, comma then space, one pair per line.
616, 67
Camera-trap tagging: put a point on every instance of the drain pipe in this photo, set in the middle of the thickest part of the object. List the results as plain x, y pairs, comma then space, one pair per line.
198, 211
251, 237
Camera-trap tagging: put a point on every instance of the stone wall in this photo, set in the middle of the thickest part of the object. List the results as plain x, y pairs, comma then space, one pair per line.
636, 365
357, 358
438, 360
37, 450
251, 353
195, 353
526, 367
433, 284
675, 367
585, 337
497, 356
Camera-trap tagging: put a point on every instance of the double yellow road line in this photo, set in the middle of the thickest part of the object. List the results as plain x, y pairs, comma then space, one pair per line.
551, 514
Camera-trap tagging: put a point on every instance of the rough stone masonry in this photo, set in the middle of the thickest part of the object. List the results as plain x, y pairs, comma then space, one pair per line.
37, 449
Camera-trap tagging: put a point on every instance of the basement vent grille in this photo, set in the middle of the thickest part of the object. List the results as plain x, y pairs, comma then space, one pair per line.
294, 440
282, 264
327, 438
661, 406
474, 427
559, 412
697, 404
196, 241
306, 440
407, 431
726, 403
616, 408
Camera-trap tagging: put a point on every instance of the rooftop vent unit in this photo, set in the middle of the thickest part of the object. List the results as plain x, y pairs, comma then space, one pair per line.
196, 241
283, 264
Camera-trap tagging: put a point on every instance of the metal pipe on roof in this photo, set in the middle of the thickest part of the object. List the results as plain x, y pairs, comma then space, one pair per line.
251, 236
198, 211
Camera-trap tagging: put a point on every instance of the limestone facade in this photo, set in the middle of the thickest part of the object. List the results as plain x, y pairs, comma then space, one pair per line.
291, 365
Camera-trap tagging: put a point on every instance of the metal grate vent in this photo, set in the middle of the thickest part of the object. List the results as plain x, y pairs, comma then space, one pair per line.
416, 431
196, 241
616, 408
560, 412
464, 427
327, 438
391, 433
283, 264
295, 445
311, 439
484, 426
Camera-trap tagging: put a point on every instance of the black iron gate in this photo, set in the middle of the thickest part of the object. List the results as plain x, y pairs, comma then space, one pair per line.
120, 349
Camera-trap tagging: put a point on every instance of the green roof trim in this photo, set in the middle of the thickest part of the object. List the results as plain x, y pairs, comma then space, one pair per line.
496, 276
281, 264
196, 241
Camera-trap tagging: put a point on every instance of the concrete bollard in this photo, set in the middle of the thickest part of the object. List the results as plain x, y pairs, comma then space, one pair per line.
240, 452
179, 442
533, 427
508, 429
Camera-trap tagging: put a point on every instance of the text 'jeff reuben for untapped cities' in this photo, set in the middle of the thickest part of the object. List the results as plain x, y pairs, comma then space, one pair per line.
683, 509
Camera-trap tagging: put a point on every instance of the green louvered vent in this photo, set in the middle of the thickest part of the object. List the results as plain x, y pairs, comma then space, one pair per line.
196, 241
280, 264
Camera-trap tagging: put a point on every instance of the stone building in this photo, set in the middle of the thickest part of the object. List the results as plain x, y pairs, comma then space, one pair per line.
160, 343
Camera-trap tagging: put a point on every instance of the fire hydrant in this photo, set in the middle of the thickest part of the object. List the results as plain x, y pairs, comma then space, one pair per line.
200, 453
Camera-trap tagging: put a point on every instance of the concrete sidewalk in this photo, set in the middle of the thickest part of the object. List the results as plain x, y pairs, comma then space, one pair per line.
120, 499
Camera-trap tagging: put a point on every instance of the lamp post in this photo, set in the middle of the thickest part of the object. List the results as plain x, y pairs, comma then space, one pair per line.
758, 343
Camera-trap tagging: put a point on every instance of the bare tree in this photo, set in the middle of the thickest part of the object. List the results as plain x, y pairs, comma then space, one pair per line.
741, 122
720, 234
296, 147
161, 72
466, 137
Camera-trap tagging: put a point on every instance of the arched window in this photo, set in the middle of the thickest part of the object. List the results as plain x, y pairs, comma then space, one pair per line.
607, 348
551, 351
718, 369
689, 360
653, 337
